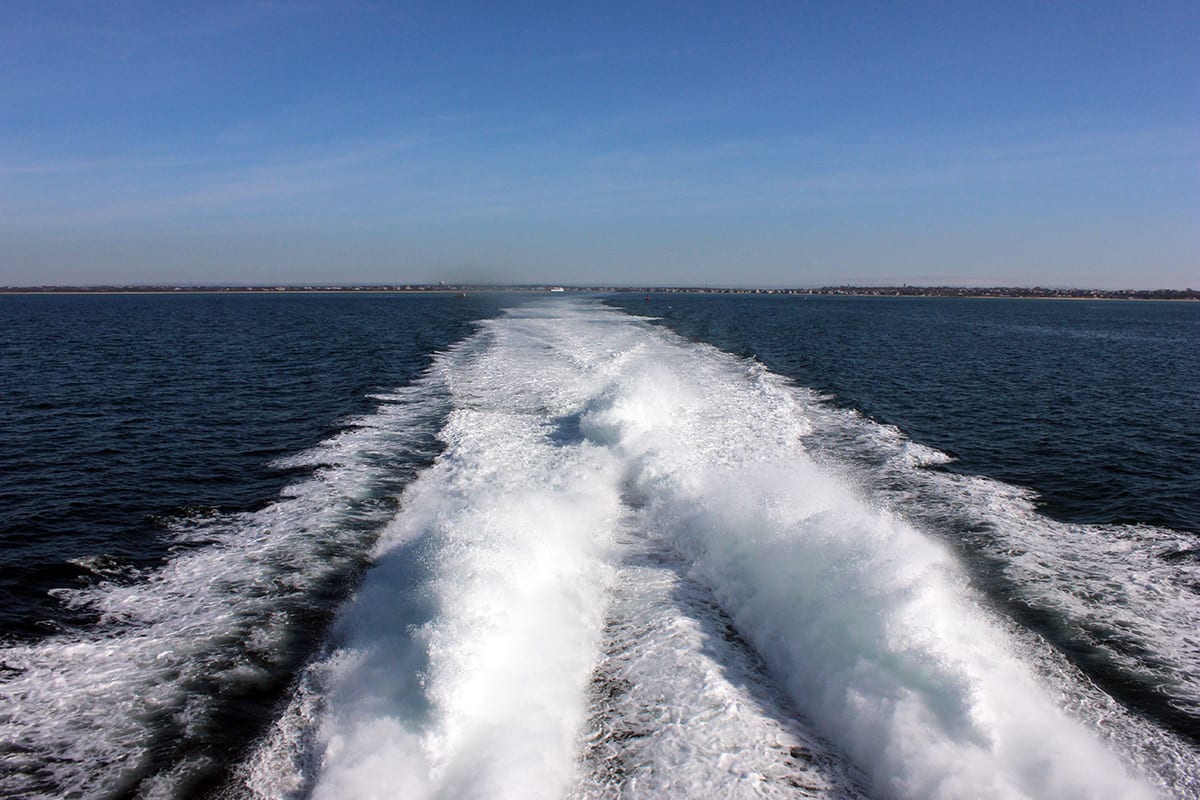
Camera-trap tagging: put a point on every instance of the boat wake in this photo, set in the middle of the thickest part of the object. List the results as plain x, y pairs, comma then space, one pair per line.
626, 576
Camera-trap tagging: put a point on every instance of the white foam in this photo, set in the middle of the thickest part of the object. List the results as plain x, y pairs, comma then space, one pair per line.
682, 707
466, 655
869, 623
461, 668
1115, 588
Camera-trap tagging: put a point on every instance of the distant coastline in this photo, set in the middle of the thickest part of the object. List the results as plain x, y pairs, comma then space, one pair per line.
1036, 292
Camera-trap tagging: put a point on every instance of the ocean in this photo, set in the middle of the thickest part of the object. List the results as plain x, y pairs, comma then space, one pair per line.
613, 546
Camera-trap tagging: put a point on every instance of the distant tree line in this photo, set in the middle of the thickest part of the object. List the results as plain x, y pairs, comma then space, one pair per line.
856, 291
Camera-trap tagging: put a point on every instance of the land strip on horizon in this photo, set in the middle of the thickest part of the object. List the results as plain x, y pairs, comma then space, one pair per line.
856, 291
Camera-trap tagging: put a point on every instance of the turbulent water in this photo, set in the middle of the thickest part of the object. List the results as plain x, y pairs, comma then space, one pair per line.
575, 552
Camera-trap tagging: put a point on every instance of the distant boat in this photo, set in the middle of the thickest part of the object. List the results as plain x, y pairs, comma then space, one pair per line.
557, 289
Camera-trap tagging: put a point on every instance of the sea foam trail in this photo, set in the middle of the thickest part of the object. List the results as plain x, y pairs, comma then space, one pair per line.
91, 713
461, 668
681, 706
1122, 598
466, 655
869, 624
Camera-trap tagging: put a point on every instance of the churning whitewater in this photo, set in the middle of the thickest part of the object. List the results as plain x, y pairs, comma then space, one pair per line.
625, 577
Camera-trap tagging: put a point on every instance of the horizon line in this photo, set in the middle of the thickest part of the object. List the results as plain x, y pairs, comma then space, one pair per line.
853, 288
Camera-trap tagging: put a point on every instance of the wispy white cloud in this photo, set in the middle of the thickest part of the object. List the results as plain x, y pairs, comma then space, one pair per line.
472, 167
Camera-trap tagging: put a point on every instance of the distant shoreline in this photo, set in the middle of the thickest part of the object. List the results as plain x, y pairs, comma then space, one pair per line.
1004, 292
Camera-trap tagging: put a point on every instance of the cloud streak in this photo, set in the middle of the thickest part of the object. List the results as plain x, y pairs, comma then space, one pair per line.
468, 173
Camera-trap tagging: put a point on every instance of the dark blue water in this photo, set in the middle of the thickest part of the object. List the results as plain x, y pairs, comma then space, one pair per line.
123, 412
160, 453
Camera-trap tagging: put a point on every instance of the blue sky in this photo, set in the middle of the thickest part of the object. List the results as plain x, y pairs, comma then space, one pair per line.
749, 143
